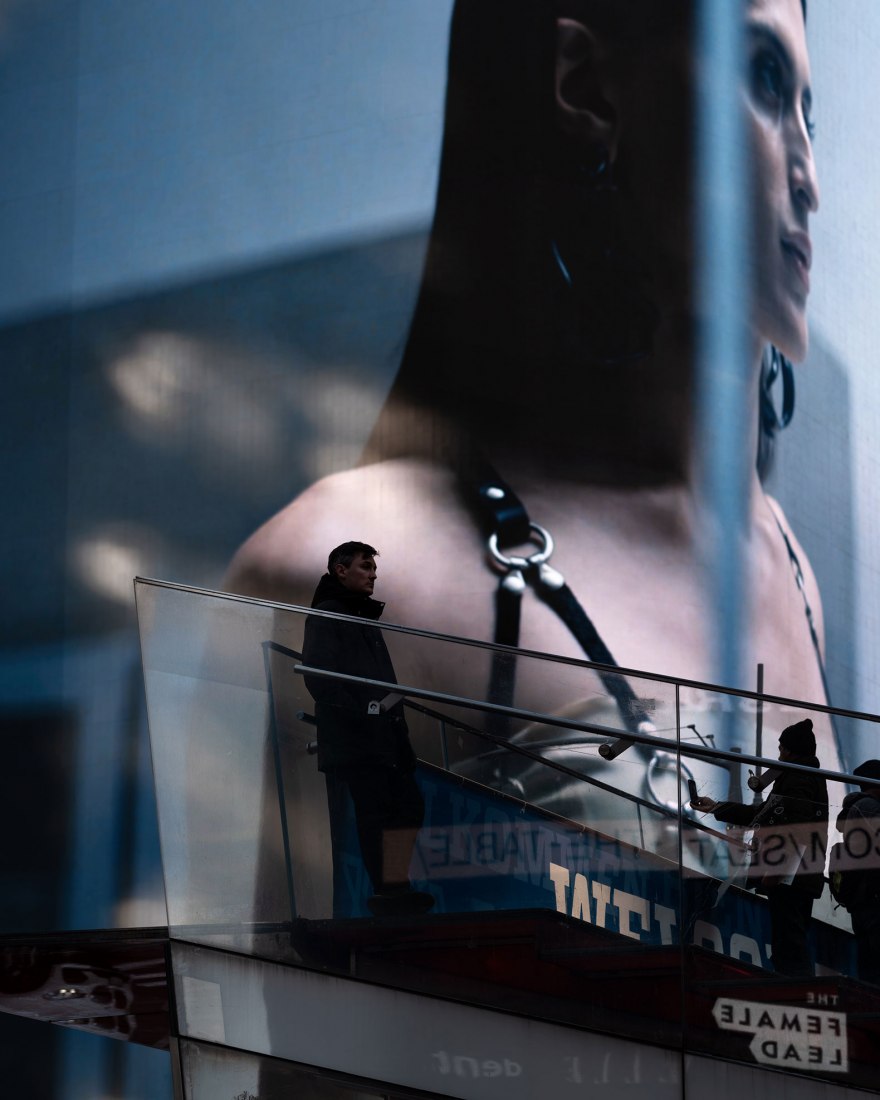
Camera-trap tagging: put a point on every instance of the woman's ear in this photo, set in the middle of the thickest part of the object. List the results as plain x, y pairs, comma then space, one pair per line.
583, 106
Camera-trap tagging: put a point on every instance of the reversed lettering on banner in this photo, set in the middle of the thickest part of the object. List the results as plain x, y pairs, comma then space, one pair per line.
785, 1035
476, 852
591, 900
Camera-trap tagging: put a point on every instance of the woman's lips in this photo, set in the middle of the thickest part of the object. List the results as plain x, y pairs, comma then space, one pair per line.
798, 251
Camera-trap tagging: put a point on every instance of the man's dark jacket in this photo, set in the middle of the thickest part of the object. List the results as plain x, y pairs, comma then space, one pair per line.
796, 798
349, 737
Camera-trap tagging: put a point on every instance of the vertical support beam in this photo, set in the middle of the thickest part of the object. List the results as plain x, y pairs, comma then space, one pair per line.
724, 373
759, 723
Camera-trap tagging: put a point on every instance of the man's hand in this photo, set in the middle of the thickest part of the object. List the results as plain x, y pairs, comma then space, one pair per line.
704, 804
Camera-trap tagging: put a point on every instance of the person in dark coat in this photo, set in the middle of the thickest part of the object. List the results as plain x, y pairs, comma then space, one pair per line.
859, 821
796, 799
369, 754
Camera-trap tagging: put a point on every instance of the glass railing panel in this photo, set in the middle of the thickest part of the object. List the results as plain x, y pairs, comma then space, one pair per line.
558, 848
528, 822
633, 792
547, 865
566, 714
771, 970
221, 834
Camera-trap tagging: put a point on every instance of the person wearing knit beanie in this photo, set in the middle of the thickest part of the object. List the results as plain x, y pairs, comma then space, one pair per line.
870, 770
799, 739
797, 804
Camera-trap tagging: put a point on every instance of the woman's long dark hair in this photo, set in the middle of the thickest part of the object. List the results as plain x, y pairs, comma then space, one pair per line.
482, 298
489, 316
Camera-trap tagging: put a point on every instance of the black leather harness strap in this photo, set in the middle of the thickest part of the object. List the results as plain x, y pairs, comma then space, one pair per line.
506, 523
497, 508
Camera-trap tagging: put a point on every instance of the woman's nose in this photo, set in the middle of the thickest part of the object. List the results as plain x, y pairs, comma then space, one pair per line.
803, 176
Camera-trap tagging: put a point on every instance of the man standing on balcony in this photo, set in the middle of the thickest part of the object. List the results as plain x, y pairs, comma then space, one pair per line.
791, 859
364, 749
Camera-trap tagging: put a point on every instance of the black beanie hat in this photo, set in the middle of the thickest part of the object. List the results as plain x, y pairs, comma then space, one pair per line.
799, 738
869, 770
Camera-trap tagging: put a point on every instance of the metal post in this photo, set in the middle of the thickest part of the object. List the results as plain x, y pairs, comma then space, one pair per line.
759, 728
724, 373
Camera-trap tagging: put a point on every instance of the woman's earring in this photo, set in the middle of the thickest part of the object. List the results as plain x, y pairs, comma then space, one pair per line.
609, 318
773, 366
770, 419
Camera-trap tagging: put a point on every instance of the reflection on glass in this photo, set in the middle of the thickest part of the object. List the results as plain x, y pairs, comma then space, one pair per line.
545, 878
551, 360
790, 831
212, 1073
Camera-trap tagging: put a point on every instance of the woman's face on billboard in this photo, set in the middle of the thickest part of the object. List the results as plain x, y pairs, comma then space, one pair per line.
785, 187
640, 107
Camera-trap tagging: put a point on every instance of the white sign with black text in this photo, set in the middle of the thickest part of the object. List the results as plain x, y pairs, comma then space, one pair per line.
785, 1035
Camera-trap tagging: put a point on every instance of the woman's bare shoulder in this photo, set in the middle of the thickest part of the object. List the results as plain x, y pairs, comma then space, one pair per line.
378, 504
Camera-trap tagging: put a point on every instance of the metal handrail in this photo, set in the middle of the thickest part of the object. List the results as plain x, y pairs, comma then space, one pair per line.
552, 658
555, 765
517, 750
504, 744
703, 752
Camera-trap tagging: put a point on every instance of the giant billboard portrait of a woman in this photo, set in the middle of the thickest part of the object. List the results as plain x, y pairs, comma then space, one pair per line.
551, 356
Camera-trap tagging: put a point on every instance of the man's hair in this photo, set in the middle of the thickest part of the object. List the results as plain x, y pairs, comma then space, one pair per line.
347, 552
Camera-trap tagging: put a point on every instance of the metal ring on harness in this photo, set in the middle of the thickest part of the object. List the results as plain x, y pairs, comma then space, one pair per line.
666, 761
540, 535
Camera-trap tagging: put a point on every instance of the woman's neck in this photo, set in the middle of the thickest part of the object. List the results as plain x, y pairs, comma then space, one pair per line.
630, 425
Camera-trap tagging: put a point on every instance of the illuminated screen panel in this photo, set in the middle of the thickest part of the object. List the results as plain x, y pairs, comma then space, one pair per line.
276, 277
324, 272
553, 357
